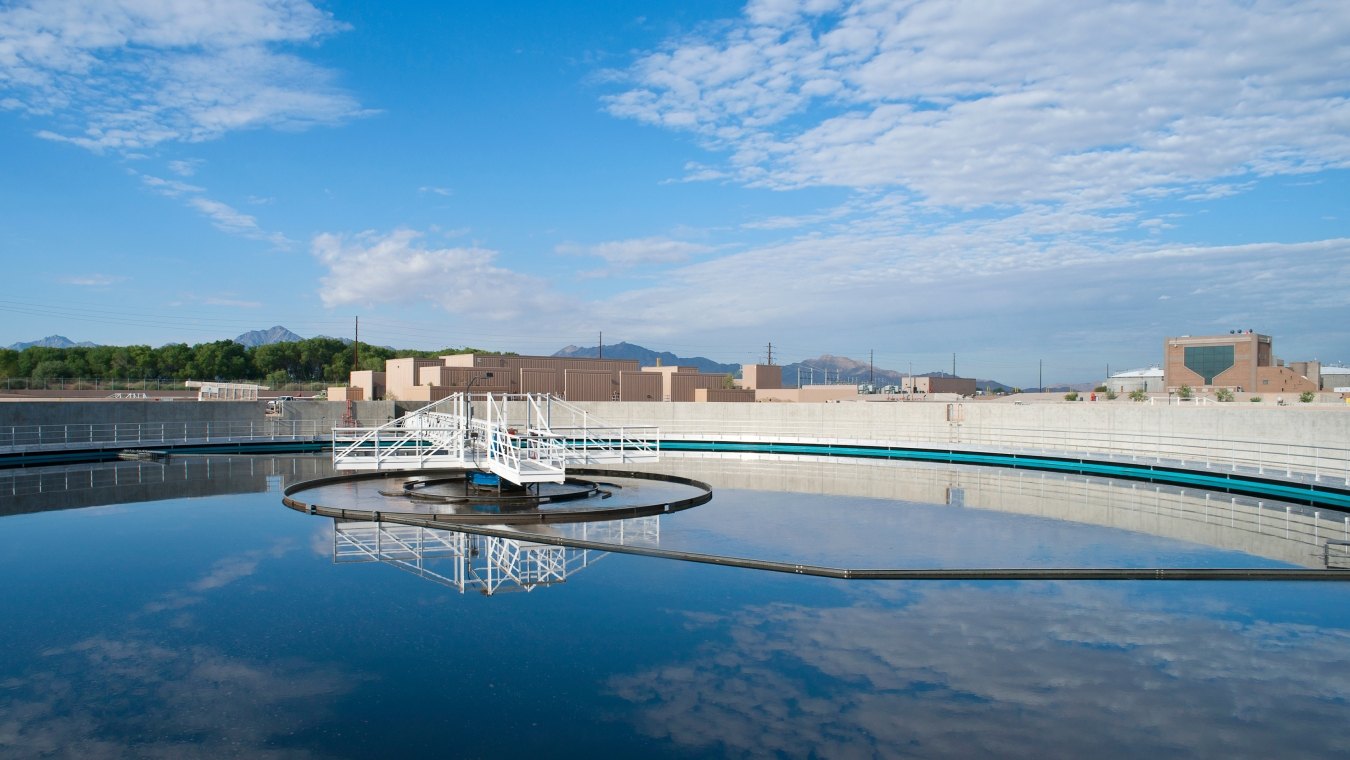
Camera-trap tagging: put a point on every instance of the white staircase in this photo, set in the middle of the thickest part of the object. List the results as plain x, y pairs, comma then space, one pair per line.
524, 438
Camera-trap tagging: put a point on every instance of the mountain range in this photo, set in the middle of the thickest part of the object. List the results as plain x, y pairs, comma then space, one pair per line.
829, 368
648, 358
51, 341
823, 369
276, 334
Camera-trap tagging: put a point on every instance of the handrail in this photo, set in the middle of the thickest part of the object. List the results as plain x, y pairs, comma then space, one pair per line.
116, 435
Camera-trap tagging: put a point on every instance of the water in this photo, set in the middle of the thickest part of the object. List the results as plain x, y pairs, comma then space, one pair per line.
218, 625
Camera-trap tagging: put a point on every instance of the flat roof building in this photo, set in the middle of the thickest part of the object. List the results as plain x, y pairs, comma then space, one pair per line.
1239, 361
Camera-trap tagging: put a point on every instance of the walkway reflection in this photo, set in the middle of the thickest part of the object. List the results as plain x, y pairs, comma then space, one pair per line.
487, 564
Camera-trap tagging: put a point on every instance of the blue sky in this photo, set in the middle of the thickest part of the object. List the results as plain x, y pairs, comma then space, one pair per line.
1008, 182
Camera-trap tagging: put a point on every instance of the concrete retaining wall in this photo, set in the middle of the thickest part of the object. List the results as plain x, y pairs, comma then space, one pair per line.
1308, 440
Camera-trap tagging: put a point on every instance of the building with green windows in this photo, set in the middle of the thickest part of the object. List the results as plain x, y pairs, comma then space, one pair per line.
1243, 361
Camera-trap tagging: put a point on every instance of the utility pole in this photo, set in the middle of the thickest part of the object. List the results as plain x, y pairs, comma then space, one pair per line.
602, 344
953, 365
869, 366
770, 361
356, 348
1040, 374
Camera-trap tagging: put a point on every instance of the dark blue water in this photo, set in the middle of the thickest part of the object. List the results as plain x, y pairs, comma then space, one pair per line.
219, 626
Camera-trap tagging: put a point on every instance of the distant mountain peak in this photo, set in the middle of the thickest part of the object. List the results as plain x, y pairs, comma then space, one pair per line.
277, 334
51, 341
648, 358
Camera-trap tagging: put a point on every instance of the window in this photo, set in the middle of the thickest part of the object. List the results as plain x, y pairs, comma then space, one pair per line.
1208, 361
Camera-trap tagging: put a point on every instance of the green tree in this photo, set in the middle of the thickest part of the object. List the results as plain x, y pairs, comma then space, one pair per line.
1307, 397
1185, 391
9, 363
277, 380
220, 360
1223, 394
1138, 394
49, 372
173, 360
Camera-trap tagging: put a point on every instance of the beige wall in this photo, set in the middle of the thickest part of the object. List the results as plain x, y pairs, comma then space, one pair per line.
815, 394
401, 376
344, 393
371, 383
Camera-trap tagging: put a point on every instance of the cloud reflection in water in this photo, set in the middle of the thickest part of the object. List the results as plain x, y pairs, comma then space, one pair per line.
1000, 669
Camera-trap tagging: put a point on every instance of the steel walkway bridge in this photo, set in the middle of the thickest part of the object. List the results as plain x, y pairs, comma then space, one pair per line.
523, 438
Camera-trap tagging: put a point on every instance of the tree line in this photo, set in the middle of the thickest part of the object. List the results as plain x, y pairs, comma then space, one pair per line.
275, 364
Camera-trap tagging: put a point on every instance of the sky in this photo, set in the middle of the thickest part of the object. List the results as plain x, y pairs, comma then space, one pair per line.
1019, 184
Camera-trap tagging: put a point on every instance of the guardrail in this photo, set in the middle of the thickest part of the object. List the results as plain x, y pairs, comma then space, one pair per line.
1312, 462
119, 435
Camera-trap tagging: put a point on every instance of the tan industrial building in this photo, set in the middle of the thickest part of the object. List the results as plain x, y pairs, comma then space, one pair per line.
1243, 361
963, 386
427, 380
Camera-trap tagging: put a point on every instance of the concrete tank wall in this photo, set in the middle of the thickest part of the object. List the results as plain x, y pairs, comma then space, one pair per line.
1312, 440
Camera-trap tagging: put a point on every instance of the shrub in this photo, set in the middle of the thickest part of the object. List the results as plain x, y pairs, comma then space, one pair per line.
1255, 399
1111, 395
1307, 397
1138, 394
1071, 396
1099, 389
1185, 391
1223, 394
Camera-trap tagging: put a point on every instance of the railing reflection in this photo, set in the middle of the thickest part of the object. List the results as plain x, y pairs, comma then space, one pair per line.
487, 564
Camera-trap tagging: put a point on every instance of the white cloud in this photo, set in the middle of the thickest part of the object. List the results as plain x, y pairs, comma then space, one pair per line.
397, 267
171, 188
228, 219
185, 167
94, 280
436, 190
877, 678
129, 75
968, 104
632, 252
223, 216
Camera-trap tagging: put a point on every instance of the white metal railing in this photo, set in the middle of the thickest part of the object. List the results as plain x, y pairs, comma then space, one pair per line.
136, 434
522, 437
1317, 462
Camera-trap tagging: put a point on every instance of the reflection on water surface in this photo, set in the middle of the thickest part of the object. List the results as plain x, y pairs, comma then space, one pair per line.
216, 623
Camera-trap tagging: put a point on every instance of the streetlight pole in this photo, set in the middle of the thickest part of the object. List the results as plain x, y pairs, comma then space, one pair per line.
468, 410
